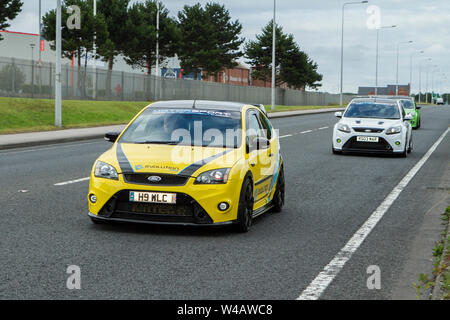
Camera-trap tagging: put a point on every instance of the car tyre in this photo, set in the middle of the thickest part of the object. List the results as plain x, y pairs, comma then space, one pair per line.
278, 197
245, 207
411, 146
419, 123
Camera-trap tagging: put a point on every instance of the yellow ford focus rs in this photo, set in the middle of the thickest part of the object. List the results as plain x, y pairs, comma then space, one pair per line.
190, 163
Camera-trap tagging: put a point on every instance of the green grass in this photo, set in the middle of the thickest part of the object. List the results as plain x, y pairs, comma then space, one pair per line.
29, 115
26, 115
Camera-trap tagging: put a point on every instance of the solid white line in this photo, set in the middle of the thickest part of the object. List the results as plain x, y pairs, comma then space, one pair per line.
318, 286
307, 131
71, 181
288, 135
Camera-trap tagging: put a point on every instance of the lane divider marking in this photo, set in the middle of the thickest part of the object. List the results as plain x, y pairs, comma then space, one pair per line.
318, 286
71, 181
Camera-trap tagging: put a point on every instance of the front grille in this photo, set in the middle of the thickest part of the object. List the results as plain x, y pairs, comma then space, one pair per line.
354, 145
166, 179
186, 210
368, 130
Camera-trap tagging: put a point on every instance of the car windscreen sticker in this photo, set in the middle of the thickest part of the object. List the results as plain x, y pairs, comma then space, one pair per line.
213, 113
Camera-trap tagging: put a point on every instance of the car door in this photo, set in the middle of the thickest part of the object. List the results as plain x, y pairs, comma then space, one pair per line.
406, 124
258, 158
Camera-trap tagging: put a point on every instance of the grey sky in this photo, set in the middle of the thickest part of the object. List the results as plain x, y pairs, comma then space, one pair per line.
316, 26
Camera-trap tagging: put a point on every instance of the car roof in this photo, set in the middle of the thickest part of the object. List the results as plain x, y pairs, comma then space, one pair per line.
199, 104
374, 100
393, 97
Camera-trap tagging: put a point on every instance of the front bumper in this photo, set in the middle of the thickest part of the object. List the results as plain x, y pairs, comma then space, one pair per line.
141, 221
196, 204
388, 144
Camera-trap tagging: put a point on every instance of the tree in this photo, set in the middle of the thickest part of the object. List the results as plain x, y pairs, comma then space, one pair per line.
209, 39
9, 9
140, 50
77, 42
115, 13
293, 66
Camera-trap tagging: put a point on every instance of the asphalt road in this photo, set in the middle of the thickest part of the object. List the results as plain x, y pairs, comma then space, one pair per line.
44, 227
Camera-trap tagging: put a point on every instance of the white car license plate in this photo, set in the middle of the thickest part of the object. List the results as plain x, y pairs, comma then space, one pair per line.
367, 139
153, 197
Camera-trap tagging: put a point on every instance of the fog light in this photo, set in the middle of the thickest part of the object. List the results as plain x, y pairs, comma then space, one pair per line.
397, 143
223, 206
339, 140
93, 198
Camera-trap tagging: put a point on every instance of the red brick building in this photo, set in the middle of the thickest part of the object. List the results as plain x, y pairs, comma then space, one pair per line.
240, 75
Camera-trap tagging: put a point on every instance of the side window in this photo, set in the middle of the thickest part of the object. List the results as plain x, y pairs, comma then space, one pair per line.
253, 126
402, 110
267, 129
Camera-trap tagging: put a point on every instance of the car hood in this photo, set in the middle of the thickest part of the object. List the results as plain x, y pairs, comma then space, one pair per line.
372, 123
167, 159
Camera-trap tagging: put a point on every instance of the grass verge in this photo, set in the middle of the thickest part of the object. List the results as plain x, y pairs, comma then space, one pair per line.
30, 115
27, 115
441, 267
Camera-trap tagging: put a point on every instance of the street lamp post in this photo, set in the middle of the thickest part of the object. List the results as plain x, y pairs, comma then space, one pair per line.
273, 55
94, 78
420, 77
342, 50
377, 55
32, 69
398, 54
58, 120
411, 69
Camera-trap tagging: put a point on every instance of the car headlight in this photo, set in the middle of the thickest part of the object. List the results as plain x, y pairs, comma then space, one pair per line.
218, 176
104, 170
394, 130
344, 128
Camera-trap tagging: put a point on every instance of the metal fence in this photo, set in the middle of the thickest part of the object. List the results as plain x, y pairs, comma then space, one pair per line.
22, 78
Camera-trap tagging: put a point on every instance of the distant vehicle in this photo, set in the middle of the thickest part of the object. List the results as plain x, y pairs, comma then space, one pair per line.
439, 101
373, 125
411, 107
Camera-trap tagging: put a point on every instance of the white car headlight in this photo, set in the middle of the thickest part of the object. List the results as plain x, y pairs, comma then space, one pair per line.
218, 176
104, 170
394, 130
344, 128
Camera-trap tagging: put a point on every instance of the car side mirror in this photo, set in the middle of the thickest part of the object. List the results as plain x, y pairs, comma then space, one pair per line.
408, 117
112, 136
418, 107
338, 114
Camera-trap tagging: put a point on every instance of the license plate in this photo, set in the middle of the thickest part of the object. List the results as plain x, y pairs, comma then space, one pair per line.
153, 197
367, 139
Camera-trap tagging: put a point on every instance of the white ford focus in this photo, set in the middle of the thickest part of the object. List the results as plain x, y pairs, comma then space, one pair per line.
373, 125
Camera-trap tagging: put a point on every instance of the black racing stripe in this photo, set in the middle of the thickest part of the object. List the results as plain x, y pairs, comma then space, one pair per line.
124, 164
190, 170
262, 180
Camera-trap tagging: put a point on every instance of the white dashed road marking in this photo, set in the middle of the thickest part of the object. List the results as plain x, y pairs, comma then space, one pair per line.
71, 181
318, 286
